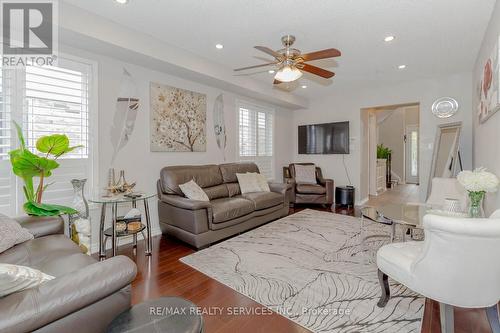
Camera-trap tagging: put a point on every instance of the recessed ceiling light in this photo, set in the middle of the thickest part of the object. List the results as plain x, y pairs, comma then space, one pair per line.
303, 86
121, 2
219, 46
402, 66
271, 71
389, 38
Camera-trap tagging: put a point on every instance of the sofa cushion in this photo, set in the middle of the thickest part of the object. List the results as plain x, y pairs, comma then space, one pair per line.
305, 174
193, 191
229, 170
203, 175
261, 181
310, 189
248, 182
218, 191
11, 233
233, 189
225, 209
54, 255
14, 278
64, 264
263, 200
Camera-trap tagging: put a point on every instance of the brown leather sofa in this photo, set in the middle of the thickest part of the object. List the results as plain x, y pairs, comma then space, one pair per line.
86, 294
320, 193
228, 212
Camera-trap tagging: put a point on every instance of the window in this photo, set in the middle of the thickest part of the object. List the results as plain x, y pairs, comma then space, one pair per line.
256, 137
7, 200
46, 100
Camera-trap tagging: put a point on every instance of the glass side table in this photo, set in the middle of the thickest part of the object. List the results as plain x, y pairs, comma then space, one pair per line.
407, 216
113, 201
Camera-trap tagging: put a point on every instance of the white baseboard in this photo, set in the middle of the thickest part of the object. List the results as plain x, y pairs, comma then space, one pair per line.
94, 248
363, 201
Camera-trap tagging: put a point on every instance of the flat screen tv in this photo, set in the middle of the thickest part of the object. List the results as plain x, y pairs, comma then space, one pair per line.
330, 138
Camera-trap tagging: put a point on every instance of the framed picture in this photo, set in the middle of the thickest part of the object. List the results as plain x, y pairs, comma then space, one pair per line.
489, 86
178, 118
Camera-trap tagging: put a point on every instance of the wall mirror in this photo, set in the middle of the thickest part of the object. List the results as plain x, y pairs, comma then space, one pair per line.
445, 158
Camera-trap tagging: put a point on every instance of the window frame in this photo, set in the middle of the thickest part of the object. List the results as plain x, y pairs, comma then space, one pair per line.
243, 104
17, 113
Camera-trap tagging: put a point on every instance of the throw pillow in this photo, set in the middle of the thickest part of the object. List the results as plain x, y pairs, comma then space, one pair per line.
14, 278
262, 181
248, 182
11, 233
305, 174
193, 191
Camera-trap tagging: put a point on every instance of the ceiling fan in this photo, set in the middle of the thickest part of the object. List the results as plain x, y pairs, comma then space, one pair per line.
290, 62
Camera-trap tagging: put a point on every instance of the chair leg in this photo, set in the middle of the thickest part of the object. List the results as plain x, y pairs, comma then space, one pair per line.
447, 318
492, 313
386, 292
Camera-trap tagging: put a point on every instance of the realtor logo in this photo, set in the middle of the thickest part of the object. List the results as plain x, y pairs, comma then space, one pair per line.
29, 32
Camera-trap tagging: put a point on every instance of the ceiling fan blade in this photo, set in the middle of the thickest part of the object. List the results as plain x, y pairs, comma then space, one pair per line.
316, 70
267, 50
255, 66
328, 53
277, 81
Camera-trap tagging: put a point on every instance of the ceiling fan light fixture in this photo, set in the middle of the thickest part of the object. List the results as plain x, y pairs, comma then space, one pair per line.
288, 74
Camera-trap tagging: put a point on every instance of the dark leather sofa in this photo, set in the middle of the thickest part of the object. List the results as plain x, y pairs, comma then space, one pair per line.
228, 212
320, 193
86, 294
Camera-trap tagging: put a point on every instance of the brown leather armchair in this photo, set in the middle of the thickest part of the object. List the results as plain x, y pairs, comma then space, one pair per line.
320, 193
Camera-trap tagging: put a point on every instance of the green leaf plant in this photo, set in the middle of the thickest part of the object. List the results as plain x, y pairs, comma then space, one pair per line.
383, 152
28, 166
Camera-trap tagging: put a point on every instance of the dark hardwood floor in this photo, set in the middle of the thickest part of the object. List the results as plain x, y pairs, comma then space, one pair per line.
163, 274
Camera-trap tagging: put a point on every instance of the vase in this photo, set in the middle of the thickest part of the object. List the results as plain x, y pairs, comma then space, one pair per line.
476, 204
80, 227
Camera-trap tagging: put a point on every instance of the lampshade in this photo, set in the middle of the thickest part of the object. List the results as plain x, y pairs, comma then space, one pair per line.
288, 74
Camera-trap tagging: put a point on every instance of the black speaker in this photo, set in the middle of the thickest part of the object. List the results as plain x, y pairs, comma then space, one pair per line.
344, 196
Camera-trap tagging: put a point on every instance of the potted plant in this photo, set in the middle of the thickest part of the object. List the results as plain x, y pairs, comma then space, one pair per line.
385, 153
29, 166
477, 183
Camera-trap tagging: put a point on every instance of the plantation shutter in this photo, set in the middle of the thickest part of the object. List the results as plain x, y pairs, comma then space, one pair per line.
248, 134
57, 101
43, 101
256, 137
7, 181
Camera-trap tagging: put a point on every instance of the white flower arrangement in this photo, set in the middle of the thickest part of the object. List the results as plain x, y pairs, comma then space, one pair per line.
478, 180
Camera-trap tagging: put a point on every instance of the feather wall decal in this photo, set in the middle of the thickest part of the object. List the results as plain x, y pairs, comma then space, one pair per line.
127, 105
219, 124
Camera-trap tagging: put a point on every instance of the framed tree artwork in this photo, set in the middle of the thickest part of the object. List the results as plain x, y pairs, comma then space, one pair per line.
178, 119
488, 87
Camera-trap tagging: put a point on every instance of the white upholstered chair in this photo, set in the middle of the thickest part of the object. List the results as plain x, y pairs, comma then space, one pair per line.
457, 264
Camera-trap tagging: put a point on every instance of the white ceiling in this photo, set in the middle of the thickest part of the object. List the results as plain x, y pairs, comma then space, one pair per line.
433, 37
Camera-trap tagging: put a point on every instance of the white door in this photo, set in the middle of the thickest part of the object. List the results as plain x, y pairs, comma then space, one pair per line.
411, 152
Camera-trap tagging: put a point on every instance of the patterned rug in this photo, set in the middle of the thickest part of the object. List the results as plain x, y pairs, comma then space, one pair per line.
313, 268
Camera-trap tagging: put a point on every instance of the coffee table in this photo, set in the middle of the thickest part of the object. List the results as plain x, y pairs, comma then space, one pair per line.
164, 314
409, 216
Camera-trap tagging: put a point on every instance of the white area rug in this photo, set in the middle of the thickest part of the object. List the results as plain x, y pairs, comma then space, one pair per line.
312, 267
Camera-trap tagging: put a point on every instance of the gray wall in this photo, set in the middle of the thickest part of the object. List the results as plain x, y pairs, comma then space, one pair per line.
487, 135
345, 103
